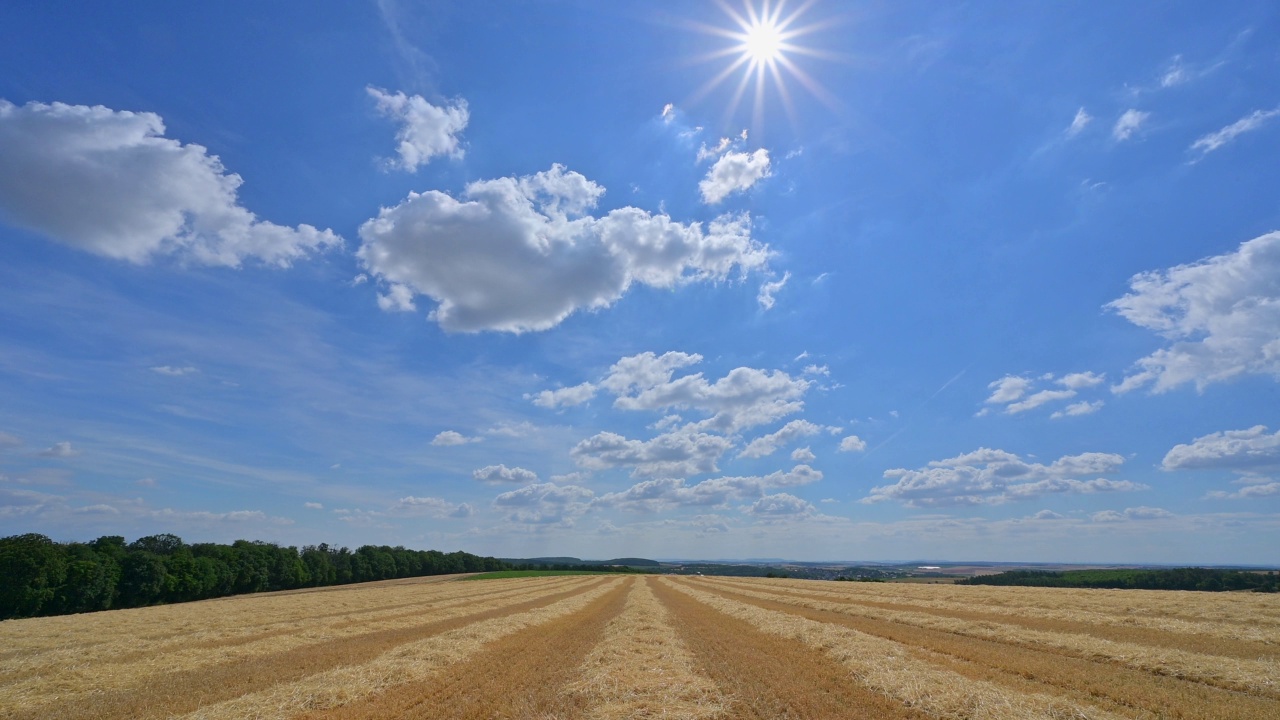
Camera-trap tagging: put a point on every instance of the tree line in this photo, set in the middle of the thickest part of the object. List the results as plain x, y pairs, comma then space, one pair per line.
1188, 578
41, 577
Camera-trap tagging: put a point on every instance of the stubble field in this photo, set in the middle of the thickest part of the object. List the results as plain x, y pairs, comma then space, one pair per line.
647, 647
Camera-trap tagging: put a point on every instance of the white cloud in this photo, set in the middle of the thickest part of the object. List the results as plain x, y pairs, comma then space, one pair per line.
504, 474
519, 254
1134, 513
767, 289
706, 153
852, 443
1176, 74
1221, 316
397, 298
781, 505
426, 131
1007, 389
668, 112
313, 506
1034, 401
510, 429
563, 397
110, 183
174, 371
60, 449
734, 172
1047, 515
1128, 124
1081, 380
1011, 391
1264, 489
675, 454
744, 398
1239, 450
768, 444
8, 441
1083, 407
1248, 123
449, 438
145, 482
429, 507
816, 370
544, 503
1079, 123
667, 493
803, 455
988, 476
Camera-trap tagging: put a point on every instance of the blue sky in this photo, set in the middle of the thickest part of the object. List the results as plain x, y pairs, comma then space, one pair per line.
815, 280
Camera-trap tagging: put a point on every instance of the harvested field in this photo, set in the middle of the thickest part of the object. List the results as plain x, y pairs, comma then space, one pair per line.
611, 647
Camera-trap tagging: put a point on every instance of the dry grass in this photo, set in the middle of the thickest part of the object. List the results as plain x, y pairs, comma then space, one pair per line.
520, 675
1119, 689
1256, 676
889, 668
1109, 609
407, 663
641, 669
628, 647
65, 674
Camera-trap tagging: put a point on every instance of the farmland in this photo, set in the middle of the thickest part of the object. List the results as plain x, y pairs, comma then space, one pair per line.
619, 646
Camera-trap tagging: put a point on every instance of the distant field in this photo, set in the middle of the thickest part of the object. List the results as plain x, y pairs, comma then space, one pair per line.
506, 574
605, 646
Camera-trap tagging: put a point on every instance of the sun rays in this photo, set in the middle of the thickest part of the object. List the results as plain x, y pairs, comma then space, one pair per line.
763, 39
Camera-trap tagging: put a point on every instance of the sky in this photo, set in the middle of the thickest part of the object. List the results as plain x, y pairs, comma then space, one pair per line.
806, 280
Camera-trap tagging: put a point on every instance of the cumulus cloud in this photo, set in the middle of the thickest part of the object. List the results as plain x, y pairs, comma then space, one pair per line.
1012, 392
521, 254
313, 506
426, 131
449, 438
502, 474
767, 289
734, 172
1083, 407
1128, 124
769, 444
781, 505
1134, 513
988, 476
544, 503
1248, 492
563, 397
174, 371
110, 183
1008, 389
744, 398
429, 507
674, 454
706, 153
852, 443
60, 450
668, 493
803, 455
1220, 316
1248, 123
1079, 123
1239, 450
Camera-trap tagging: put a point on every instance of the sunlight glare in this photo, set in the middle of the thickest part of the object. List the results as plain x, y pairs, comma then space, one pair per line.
763, 42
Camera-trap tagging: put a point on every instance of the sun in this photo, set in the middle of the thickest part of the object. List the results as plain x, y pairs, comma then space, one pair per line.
763, 40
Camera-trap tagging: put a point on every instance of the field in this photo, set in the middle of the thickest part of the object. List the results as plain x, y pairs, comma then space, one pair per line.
592, 646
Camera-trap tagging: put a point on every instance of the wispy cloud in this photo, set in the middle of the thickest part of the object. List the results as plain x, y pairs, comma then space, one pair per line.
1248, 123
1128, 124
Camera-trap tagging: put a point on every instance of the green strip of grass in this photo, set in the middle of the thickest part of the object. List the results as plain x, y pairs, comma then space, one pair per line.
532, 573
